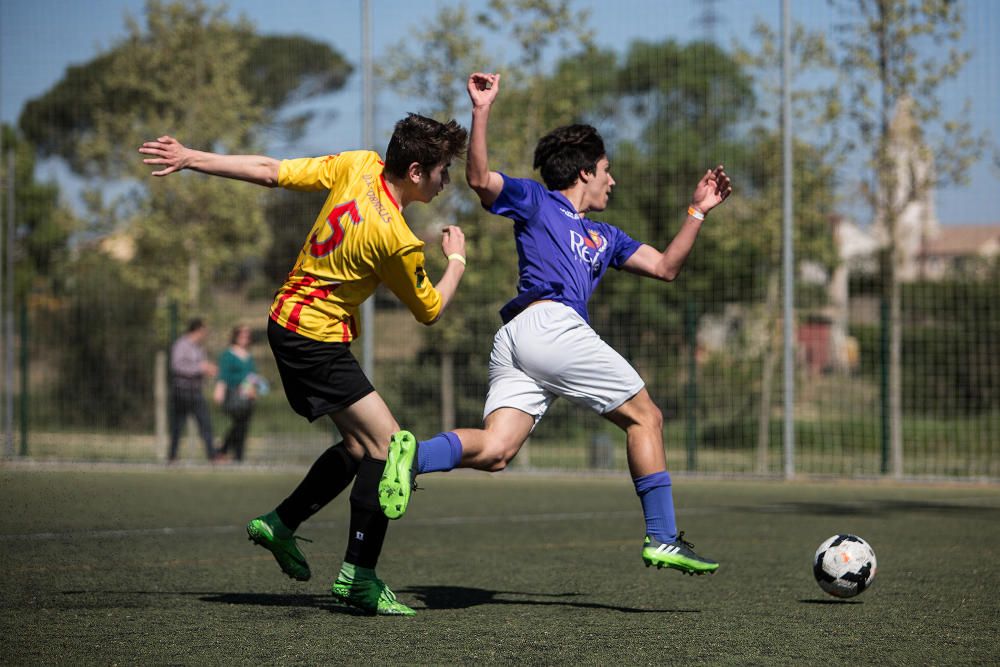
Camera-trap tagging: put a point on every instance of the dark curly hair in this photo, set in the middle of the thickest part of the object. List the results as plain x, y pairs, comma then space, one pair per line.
565, 151
423, 140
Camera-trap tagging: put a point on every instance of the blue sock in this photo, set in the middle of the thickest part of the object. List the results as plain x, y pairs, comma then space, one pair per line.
442, 452
657, 500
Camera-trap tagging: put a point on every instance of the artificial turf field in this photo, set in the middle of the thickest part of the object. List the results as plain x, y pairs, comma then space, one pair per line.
143, 566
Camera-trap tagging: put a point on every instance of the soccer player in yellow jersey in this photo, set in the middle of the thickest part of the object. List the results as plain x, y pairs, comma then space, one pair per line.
359, 240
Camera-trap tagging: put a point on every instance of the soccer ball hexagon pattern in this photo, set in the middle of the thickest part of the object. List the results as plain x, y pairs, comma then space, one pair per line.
844, 566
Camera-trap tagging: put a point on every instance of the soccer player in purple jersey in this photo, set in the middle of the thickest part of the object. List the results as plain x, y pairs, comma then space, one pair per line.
546, 347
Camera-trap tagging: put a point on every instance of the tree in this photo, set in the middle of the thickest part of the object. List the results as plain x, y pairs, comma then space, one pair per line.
665, 110
275, 71
43, 227
186, 70
688, 102
901, 52
814, 106
40, 243
214, 83
449, 47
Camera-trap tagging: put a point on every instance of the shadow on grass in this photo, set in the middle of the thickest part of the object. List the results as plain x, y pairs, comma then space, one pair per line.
873, 508
272, 600
114, 599
324, 602
831, 601
433, 597
462, 597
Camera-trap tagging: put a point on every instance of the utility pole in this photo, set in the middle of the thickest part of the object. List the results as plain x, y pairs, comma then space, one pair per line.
788, 257
8, 334
367, 141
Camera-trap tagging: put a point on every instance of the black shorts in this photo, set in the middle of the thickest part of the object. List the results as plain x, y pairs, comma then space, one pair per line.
319, 378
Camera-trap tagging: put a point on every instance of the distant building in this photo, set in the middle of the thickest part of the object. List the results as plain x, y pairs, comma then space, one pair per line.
960, 251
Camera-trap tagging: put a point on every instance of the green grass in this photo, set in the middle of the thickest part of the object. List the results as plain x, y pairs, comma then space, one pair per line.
148, 566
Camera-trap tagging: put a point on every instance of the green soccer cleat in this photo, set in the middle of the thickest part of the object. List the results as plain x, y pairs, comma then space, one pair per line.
291, 561
400, 475
678, 555
368, 593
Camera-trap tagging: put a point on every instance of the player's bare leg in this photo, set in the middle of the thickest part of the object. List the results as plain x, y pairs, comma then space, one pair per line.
663, 545
492, 447
642, 422
367, 425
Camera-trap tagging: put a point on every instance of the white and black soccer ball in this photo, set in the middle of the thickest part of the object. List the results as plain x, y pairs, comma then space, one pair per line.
844, 566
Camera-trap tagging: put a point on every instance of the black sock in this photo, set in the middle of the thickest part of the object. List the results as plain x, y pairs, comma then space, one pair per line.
328, 476
368, 523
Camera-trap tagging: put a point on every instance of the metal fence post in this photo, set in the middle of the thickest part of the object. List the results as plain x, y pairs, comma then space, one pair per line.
691, 333
788, 248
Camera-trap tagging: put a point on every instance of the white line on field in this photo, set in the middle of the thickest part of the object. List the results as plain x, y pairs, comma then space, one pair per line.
215, 530
779, 507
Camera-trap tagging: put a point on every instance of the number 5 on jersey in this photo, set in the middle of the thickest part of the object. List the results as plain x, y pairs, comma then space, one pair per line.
323, 248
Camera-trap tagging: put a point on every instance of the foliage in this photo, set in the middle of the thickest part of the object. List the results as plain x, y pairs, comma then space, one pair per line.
813, 90
668, 111
189, 71
894, 70
104, 348
43, 228
274, 70
449, 48
281, 70
213, 83
290, 215
892, 52
948, 348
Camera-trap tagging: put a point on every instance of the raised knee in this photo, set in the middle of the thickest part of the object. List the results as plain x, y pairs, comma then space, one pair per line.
498, 459
657, 418
651, 417
498, 463
498, 455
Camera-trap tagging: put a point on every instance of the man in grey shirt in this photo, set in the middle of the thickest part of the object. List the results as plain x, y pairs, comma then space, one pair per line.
189, 365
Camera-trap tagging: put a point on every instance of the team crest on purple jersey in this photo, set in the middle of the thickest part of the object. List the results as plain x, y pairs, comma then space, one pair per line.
596, 240
588, 249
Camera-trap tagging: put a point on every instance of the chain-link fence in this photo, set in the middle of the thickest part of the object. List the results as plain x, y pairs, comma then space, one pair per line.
895, 300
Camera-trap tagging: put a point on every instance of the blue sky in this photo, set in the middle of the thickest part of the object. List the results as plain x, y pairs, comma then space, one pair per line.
40, 38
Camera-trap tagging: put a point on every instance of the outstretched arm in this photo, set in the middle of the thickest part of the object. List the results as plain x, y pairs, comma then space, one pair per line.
175, 156
713, 189
483, 89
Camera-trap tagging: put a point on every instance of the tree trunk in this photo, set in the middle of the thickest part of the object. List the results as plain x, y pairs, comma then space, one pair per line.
767, 375
890, 204
895, 372
194, 283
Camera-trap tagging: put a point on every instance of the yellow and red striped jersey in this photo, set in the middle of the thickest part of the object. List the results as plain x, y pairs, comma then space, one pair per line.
359, 240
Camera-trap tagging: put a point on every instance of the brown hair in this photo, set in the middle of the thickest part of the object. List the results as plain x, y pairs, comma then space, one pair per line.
425, 141
566, 151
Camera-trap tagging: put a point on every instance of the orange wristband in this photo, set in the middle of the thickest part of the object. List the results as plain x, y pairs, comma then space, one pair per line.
695, 213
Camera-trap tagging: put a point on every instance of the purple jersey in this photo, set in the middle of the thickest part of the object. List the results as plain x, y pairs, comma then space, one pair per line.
561, 255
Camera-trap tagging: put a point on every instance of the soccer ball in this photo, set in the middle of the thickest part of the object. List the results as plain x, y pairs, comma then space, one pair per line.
844, 566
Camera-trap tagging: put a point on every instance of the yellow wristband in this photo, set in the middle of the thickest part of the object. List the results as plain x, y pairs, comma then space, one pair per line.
458, 258
695, 213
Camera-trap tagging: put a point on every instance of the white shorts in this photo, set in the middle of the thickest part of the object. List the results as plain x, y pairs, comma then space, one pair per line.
547, 351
